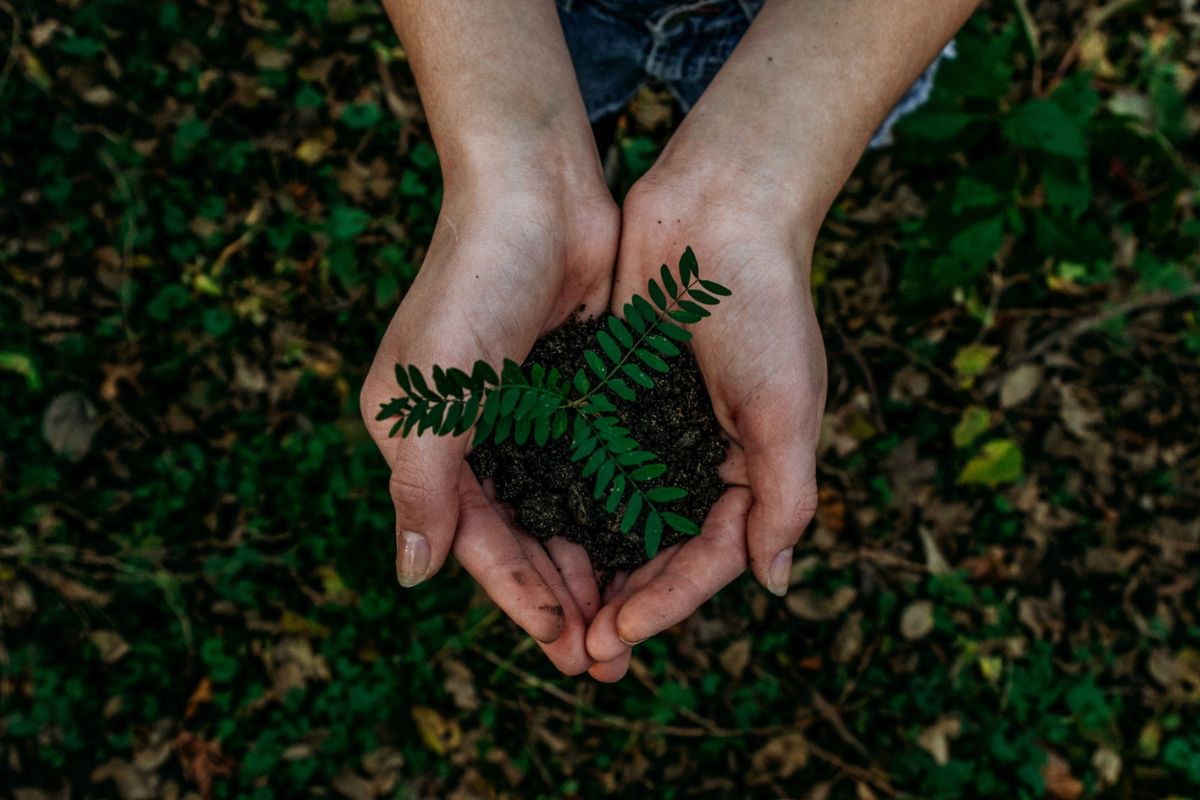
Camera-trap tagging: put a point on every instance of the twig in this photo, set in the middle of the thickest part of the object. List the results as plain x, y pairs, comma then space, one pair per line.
12, 46
1077, 329
1035, 47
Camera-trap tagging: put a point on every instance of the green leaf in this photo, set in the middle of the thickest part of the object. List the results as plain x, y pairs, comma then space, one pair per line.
521, 430
453, 414
584, 449
402, 379
651, 360
656, 294
685, 316
609, 346
634, 458
974, 422
482, 372
666, 494
972, 360
620, 331
541, 431
696, 309
460, 380
596, 363
668, 282
680, 523
622, 390
716, 288
603, 476
529, 399
469, 414
663, 345
645, 310
632, 510
580, 381
1000, 461
634, 318
491, 407
614, 496
639, 377
652, 533
510, 396
674, 331
1041, 124
503, 428
600, 403
419, 384
648, 472
704, 297
560, 424
593, 463
688, 267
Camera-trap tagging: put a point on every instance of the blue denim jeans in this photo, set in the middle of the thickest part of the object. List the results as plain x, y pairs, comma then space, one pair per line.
617, 45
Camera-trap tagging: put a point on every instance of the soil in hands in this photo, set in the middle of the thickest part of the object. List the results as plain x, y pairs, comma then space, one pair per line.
549, 496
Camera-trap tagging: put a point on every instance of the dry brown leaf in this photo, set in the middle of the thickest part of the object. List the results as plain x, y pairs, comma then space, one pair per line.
807, 605
1019, 384
202, 694
202, 761
460, 685
917, 620
110, 644
848, 643
1060, 783
69, 424
935, 739
736, 657
353, 786
779, 759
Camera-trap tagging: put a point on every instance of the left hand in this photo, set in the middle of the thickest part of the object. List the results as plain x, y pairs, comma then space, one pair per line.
763, 362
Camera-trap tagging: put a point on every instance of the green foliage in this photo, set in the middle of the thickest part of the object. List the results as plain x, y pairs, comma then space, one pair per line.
541, 404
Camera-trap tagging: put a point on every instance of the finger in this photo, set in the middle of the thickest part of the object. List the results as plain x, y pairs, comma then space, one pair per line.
782, 476
423, 484
487, 548
701, 568
733, 469
611, 671
603, 641
576, 570
567, 652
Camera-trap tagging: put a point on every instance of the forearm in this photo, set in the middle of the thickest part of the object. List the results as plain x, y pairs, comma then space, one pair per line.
794, 107
497, 86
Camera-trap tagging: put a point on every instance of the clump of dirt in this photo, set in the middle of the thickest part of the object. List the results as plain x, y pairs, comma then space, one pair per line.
550, 497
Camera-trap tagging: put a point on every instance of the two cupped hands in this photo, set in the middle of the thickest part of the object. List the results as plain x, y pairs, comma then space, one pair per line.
518, 252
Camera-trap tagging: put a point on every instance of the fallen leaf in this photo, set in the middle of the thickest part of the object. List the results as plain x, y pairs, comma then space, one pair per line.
1000, 461
69, 424
808, 605
1107, 763
202, 761
917, 620
460, 685
780, 758
971, 361
1060, 783
1019, 384
202, 694
439, 734
735, 657
936, 739
110, 644
974, 423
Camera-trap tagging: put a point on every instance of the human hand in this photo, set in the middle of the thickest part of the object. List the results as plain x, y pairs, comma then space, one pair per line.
763, 362
511, 258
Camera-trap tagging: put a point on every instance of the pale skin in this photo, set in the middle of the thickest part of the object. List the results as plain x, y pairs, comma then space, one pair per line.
529, 233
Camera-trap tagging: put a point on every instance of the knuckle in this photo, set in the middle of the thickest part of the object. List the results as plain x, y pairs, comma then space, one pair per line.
410, 488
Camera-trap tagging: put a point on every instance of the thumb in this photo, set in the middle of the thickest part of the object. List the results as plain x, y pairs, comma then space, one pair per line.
424, 490
783, 485
423, 485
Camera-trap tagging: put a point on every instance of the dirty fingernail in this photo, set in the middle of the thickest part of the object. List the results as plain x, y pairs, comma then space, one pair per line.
631, 644
412, 557
780, 574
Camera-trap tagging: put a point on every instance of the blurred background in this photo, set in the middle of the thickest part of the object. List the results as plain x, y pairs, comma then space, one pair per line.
208, 212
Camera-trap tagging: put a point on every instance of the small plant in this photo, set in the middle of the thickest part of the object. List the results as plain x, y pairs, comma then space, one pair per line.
541, 404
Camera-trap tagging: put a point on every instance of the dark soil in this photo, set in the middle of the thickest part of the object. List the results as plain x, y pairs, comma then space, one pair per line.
674, 420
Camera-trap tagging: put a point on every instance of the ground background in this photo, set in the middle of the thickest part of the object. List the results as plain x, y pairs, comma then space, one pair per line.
208, 210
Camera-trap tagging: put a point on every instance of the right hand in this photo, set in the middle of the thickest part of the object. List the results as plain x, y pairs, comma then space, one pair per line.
510, 260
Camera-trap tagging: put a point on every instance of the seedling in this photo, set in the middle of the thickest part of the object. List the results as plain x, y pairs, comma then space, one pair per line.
538, 405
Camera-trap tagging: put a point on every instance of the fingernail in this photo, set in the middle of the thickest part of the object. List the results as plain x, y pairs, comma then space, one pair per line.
412, 557
780, 574
631, 644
